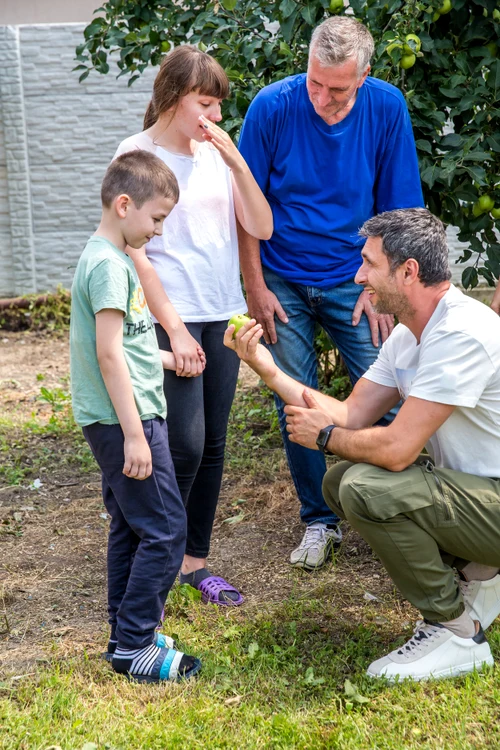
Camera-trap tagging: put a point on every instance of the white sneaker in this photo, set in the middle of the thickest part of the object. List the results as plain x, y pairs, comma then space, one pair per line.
482, 599
433, 652
316, 546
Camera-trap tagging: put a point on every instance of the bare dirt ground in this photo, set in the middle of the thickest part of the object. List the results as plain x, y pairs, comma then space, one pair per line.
53, 539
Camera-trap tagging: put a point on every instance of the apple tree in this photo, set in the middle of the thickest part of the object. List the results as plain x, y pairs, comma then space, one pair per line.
443, 54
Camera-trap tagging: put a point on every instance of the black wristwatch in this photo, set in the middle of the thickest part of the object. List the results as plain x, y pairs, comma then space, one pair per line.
323, 438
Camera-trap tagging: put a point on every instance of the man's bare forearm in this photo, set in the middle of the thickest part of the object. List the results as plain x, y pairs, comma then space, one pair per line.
292, 392
251, 265
372, 445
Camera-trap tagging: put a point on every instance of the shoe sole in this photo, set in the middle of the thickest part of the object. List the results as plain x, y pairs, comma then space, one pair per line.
332, 548
443, 674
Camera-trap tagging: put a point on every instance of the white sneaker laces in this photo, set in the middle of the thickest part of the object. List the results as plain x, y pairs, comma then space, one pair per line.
313, 538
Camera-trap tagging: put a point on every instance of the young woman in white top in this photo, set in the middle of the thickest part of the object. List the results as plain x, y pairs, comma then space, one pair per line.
196, 261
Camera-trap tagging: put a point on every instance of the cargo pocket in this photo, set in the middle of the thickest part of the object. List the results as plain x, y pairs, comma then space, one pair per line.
388, 494
443, 500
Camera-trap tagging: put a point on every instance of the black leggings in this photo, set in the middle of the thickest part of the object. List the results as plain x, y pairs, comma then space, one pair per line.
197, 416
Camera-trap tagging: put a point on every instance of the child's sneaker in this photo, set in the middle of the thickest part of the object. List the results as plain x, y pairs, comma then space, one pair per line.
154, 664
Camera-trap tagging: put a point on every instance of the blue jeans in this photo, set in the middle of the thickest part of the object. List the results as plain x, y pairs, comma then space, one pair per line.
294, 354
147, 533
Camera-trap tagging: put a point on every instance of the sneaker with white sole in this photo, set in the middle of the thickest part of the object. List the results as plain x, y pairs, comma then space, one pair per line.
433, 652
482, 599
316, 546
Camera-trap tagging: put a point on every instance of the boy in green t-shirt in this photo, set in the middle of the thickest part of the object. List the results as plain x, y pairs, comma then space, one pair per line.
117, 390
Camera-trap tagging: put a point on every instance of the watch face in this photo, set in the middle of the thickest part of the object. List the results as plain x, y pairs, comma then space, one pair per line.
323, 438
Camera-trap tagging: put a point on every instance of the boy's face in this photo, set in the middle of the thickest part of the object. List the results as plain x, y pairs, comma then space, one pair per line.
139, 225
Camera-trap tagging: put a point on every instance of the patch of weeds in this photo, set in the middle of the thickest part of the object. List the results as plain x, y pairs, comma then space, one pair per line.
34, 312
332, 372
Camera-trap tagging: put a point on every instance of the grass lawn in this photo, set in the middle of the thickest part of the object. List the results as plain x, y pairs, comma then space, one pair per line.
286, 670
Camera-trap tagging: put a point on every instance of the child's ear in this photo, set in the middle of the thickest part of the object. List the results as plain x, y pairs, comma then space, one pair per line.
122, 204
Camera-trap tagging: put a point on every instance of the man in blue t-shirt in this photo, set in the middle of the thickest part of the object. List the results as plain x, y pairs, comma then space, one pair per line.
330, 149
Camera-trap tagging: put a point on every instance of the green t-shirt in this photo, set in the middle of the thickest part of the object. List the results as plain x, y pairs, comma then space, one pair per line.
105, 278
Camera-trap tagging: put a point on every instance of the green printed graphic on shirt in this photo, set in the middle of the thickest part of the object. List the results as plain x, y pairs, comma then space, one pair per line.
105, 278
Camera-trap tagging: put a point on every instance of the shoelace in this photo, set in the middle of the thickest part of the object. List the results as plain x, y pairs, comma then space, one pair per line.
423, 633
313, 536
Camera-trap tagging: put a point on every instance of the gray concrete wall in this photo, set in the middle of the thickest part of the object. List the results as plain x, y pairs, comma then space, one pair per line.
56, 138
15, 12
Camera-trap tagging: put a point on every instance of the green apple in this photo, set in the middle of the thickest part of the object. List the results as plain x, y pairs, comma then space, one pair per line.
486, 203
407, 61
336, 6
495, 212
238, 321
412, 38
394, 45
445, 7
477, 210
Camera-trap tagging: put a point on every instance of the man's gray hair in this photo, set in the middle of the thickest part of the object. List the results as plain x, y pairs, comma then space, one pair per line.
412, 233
339, 39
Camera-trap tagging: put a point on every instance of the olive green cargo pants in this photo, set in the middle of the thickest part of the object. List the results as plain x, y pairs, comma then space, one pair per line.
421, 522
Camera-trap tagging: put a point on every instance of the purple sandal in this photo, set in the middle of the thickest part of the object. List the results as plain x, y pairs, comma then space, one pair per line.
212, 587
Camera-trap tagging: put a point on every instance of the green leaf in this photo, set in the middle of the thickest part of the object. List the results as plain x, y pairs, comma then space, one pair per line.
287, 7
430, 175
352, 692
452, 140
234, 519
477, 173
229, 4
424, 146
189, 592
452, 93
469, 278
253, 649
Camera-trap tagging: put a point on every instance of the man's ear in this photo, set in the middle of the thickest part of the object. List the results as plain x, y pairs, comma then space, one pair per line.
364, 75
122, 204
411, 271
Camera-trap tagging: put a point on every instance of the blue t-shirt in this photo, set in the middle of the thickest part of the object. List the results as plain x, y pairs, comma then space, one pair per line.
324, 181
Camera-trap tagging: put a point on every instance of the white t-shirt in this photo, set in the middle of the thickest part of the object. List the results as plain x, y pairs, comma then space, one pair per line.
457, 362
196, 258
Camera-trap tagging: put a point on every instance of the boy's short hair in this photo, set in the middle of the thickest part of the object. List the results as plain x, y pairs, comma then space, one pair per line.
142, 176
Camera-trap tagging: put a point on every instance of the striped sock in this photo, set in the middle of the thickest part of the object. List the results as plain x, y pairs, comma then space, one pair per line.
135, 660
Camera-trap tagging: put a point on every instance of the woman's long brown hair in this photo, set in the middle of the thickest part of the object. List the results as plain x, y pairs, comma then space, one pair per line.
185, 69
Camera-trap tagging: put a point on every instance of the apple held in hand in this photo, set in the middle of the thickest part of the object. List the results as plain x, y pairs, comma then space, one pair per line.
238, 321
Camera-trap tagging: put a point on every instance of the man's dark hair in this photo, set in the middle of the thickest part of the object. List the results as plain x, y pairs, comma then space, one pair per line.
142, 176
412, 233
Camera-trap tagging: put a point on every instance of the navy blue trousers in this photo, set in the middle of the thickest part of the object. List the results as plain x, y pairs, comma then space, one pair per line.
147, 534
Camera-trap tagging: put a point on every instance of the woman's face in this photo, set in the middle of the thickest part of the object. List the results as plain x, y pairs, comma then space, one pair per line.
188, 110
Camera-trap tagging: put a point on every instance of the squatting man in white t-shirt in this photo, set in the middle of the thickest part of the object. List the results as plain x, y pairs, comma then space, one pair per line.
426, 517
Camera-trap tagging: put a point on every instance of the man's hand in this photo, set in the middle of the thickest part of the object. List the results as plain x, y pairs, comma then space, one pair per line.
304, 425
263, 306
138, 463
247, 347
383, 322
189, 362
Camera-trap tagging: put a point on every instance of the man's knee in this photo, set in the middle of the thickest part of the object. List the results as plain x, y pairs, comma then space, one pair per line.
331, 486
